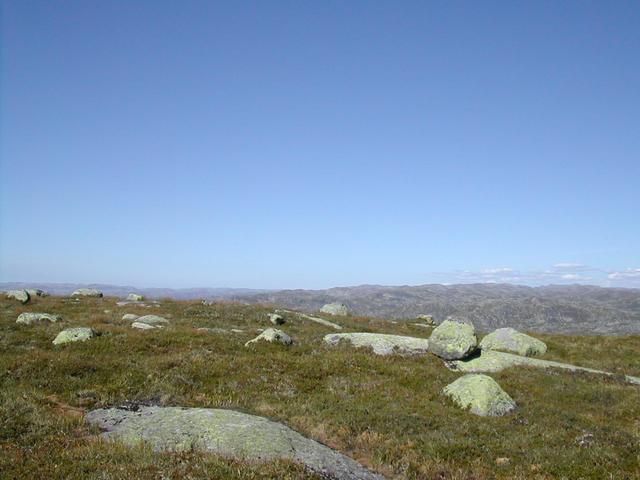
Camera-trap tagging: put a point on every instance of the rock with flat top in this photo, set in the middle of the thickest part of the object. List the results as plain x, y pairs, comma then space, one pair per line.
339, 309
78, 334
87, 292
382, 344
29, 318
129, 317
152, 320
144, 326
227, 433
272, 335
134, 297
511, 340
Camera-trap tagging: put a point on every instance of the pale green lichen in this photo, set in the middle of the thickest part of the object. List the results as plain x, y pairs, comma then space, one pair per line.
29, 318
481, 395
78, 334
453, 340
511, 340
382, 344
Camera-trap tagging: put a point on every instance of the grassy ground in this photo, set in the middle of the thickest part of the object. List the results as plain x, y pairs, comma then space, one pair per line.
386, 412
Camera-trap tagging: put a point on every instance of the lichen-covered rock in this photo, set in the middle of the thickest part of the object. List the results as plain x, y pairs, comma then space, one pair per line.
21, 295
152, 320
144, 326
335, 309
490, 361
511, 340
129, 317
275, 318
319, 320
226, 433
382, 344
36, 292
134, 297
453, 340
481, 395
428, 319
78, 334
86, 292
272, 335
29, 318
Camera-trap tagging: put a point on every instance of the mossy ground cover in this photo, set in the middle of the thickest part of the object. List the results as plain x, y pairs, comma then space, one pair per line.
386, 412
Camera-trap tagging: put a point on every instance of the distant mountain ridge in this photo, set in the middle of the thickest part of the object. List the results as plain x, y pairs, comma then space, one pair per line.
570, 309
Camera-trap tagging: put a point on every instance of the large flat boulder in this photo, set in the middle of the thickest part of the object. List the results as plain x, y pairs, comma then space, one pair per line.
382, 344
335, 309
134, 297
86, 292
453, 340
21, 295
511, 340
272, 335
490, 361
481, 395
152, 320
78, 334
29, 318
226, 433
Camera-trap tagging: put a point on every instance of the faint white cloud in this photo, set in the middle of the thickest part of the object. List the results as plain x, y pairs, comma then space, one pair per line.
624, 274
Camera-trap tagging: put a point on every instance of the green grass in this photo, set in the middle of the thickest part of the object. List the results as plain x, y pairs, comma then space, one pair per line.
386, 412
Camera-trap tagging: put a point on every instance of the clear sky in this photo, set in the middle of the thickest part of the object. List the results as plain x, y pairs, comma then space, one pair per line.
313, 144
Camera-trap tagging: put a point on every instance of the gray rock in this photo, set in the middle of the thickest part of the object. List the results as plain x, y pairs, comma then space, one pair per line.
481, 395
272, 335
152, 320
226, 433
86, 292
321, 321
335, 309
510, 340
428, 319
382, 344
491, 361
36, 292
21, 295
275, 318
78, 334
144, 326
453, 340
31, 318
129, 317
134, 297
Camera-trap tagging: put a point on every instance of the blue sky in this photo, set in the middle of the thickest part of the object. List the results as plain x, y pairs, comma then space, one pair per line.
315, 144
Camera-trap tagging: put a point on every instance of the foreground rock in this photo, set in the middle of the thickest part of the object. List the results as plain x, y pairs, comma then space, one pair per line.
335, 309
134, 297
31, 318
87, 292
78, 334
453, 340
276, 318
382, 344
272, 335
21, 295
152, 320
321, 321
490, 361
511, 340
129, 317
144, 326
36, 292
481, 395
226, 433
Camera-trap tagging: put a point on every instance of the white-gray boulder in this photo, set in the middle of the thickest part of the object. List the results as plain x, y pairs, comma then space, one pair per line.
481, 395
78, 334
36, 292
272, 335
86, 292
144, 326
134, 297
129, 317
152, 320
21, 295
382, 344
453, 340
335, 309
29, 318
276, 318
511, 340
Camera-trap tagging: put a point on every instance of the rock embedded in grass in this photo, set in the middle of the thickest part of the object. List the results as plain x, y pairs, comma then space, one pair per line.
29, 318
382, 344
272, 335
144, 326
78, 334
134, 297
153, 320
339, 309
481, 395
276, 318
36, 292
87, 292
226, 433
428, 319
21, 295
453, 340
511, 340
129, 317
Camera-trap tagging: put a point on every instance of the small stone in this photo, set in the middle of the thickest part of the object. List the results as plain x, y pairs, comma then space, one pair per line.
78, 334
272, 335
31, 318
503, 461
21, 295
335, 309
134, 297
275, 318
481, 395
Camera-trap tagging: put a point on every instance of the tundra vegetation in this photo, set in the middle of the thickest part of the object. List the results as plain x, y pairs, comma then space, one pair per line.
388, 412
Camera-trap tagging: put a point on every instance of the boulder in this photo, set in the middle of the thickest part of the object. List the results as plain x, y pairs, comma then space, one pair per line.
275, 318
86, 292
272, 335
129, 317
227, 433
134, 297
152, 320
21, 295
511, 340
453, 340
428, 319
144, 326
319, 320
77, 334
335, 309
481, 395
36, 292
31, 318
382, 344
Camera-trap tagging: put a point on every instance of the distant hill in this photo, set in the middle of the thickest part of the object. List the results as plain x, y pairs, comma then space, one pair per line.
572, 309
